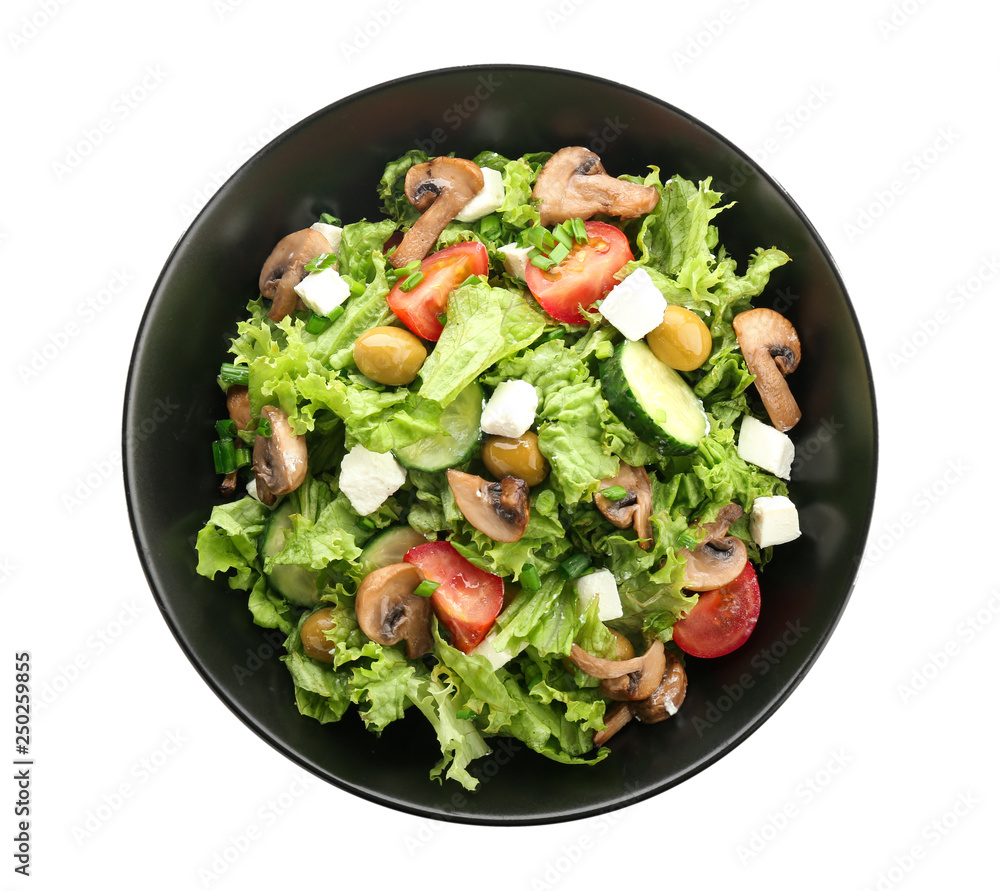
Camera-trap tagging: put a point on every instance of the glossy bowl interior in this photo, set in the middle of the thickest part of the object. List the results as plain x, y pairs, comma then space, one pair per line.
332, 162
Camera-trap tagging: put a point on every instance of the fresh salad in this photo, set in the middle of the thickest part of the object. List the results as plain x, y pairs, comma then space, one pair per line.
509, 458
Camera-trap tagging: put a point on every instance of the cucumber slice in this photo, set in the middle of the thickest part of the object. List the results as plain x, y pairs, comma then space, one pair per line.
461, 421
296, 584
389, 547
653, 400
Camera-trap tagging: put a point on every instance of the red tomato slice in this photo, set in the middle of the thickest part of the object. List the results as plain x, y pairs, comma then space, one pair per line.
467, 600
443, 272
722, 619
584, 277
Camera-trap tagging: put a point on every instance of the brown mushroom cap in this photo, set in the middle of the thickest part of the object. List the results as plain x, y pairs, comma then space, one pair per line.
719, 558
573, 183
664, 701
388, 611
439, 188
238, 405
661, 704
629, 679
771, 347
500, 510
635, 508
280, 461
285, 268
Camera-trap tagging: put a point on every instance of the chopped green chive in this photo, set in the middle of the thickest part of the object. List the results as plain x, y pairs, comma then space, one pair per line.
330, 220
489, 227
687, 541
530, 580
407, 270
243, 457
575, 566
317, 324
367, 523
426, 588
540, 237
542, 262
614, 493
224, 455
263, 426
579, 230
411, 281
563, 233
322, 261
559, 253
357, 288
226, 429
234, 374
466, 714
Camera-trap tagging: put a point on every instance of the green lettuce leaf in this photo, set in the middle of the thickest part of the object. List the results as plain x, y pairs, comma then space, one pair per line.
576, 430
484, 326
229, 541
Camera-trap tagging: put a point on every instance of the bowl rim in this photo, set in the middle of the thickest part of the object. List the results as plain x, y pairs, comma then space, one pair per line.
626, 798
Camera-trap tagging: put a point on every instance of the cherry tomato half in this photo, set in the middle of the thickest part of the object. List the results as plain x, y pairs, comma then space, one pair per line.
443, 272
584, 277
721, 620
468, 599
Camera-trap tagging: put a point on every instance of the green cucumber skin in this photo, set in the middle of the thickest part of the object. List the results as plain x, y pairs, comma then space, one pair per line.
389, 547
298, 585
445, 457
623, 403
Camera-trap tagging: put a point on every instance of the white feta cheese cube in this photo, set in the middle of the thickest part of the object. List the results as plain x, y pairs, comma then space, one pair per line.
333, 234
634, 306
601, 584
369, 478
323, 291
496, 658
773, 520
488, 199
768, 448
511, 409
515, 260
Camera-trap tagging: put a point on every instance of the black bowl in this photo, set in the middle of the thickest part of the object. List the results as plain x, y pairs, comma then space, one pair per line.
332, 162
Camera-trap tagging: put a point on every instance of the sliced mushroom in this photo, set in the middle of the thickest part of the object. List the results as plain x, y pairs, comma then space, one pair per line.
238, 404
500, 510
666, 699
285, 268
279, 460
615, 718
630, 679
573, 183
635, 507
771, 347
719, 558
389, 611
661, 704
439, 188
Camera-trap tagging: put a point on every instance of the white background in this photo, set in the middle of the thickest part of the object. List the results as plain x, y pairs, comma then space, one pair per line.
880, 119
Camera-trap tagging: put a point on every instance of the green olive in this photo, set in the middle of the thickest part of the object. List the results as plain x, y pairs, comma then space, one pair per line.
681, 340
314, 642
390, 356
623, 647
519, 457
